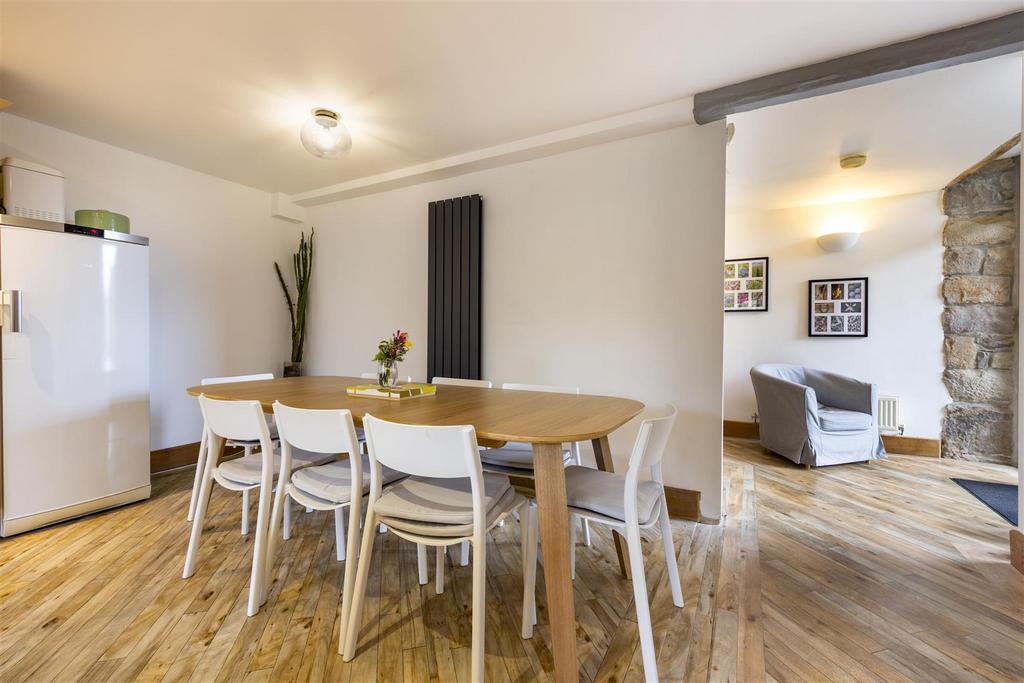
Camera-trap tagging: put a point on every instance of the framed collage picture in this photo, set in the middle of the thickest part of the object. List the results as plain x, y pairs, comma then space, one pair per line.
746, 285
838, 307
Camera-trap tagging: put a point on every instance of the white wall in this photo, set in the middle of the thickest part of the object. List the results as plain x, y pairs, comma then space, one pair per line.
601, 268
900, 252
215, 305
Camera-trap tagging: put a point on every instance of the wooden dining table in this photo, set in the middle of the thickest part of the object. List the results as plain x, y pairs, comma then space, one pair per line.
545, 420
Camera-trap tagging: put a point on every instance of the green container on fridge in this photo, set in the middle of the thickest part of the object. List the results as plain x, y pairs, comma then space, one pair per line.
102, 219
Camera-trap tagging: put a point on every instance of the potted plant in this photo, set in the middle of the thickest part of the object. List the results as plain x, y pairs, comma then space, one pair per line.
302, 267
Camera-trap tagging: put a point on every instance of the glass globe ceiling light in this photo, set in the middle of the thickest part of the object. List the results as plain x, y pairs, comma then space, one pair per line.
324, 135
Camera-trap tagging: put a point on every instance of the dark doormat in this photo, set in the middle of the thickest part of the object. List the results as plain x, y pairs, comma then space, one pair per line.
1001, 498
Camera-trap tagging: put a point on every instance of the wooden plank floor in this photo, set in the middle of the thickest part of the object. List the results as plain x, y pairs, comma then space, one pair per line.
885, 571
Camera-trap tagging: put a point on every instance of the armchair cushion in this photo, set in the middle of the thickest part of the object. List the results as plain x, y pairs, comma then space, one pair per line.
839, 420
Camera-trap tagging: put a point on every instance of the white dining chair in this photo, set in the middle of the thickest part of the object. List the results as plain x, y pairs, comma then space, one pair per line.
460, 382
447, 499
241, 421
337, 486
627, 504
246, 446
516, 458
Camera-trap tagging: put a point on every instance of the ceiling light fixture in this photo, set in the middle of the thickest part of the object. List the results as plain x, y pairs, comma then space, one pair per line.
324, 135
855, 160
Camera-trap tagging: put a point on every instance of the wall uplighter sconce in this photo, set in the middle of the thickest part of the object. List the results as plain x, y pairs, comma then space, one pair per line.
838, 241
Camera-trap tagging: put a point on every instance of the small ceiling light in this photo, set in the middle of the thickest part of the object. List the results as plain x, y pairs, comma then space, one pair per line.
324, 135
855, 160
838, 241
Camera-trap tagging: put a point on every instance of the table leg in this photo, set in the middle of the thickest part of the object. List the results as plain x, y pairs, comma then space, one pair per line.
554, 539
603, 457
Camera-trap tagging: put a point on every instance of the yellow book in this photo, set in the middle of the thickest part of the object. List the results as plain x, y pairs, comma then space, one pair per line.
402, 391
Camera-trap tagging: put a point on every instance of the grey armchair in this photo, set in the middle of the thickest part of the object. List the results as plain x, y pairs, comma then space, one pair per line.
815, 417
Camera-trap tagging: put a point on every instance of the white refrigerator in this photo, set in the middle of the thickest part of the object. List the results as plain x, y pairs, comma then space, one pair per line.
74, 380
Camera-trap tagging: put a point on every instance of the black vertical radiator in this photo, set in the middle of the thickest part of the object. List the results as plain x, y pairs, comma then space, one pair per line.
454, 255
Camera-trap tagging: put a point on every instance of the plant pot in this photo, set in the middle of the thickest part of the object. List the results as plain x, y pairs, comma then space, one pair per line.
292, 370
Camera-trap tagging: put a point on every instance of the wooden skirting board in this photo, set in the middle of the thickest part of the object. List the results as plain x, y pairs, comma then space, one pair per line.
1017, 550
178, 457
900, 445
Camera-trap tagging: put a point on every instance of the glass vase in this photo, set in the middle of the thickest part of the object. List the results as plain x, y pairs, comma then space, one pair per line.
387, 374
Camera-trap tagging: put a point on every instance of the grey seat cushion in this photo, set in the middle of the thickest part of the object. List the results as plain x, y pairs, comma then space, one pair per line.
446, 503
333, 481
514, 455
839, 420
508, 501
604, 493
249, 469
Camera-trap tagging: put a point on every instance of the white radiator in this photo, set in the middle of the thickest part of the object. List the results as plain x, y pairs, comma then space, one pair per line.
890, 418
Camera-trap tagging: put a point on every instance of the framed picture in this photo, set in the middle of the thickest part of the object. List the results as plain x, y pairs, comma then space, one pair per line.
746, 284
838, 307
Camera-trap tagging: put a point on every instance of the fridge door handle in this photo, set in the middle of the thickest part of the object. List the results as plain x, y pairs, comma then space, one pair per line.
12, 298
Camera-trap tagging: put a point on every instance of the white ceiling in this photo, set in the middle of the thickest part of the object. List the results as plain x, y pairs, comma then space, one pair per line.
919, 133
223, 87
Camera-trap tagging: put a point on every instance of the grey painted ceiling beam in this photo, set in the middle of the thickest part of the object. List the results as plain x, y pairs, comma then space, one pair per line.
990, 38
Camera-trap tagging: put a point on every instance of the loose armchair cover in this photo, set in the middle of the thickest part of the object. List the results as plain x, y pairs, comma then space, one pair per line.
815, 417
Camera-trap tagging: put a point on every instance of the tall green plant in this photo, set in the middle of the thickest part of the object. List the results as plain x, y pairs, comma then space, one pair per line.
302, 266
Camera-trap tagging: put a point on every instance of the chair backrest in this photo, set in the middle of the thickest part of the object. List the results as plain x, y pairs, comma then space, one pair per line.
648, 450
459, 382
441, 452
444, 452
649, 447
235, 420
318, 431
541, 387
237, 378
784, 371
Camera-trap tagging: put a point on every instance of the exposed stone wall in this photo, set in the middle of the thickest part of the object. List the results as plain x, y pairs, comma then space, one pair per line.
980, 316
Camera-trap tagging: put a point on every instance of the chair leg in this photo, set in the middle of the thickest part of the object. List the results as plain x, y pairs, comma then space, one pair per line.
245, 512
197, 483
670, 555
245, 500
584, 523
643, 609
349, 581
572, 549
464, 554
355, 616
339, 533
201, 506
479, 604
439, 569
257, 589
528, 550
421, 563
287, 526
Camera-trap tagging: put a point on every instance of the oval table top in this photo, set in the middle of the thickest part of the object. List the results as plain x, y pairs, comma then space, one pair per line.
497, 414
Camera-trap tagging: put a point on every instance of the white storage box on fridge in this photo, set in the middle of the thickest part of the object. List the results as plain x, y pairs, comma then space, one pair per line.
31, 190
